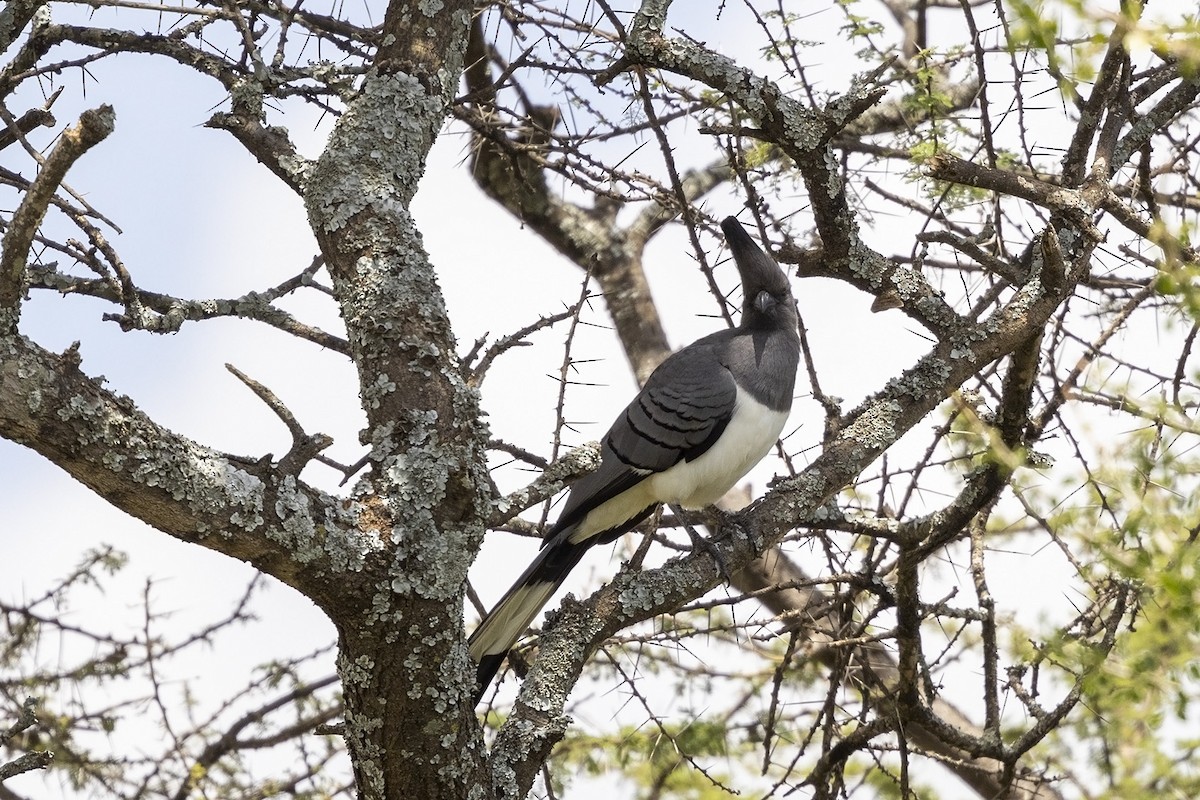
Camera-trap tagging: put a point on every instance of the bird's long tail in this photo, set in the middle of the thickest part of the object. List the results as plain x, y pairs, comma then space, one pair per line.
511, 617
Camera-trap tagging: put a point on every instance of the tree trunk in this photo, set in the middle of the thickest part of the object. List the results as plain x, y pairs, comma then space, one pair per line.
410, 721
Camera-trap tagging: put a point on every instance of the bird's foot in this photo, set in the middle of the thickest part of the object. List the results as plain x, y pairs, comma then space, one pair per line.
701, 543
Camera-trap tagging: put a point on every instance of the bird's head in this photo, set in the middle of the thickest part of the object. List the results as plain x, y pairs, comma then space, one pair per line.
765, 288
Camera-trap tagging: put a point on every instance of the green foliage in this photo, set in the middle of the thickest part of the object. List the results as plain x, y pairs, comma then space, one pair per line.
977, 442
1036, 29
1141, 526
1179, 42
675, 760
926, 80
1073, 36
887, 784
924, 149
858, 26
1179, 278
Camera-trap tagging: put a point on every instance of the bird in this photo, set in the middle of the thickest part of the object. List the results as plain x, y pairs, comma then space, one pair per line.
705, 416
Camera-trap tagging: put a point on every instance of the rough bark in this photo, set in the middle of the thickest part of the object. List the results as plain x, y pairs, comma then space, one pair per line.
410, 724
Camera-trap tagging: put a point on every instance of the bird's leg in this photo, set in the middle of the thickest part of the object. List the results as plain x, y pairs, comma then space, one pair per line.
702, 542
648, 529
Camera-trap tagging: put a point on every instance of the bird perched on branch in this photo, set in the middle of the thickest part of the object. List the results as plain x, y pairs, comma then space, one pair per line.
706, 415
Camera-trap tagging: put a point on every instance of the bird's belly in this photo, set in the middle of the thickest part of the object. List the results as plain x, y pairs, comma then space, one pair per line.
751, 432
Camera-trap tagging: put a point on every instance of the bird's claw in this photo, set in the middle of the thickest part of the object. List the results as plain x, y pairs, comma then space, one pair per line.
701, 543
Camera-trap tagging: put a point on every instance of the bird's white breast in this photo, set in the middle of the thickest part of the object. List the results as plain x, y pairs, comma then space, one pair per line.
751, 432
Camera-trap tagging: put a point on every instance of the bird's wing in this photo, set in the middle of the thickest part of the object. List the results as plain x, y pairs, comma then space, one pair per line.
683, 408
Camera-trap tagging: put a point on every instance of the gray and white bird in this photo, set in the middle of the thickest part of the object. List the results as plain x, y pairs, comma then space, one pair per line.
706, 415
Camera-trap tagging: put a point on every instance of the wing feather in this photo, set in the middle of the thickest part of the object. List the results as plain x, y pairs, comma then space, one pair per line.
680, 412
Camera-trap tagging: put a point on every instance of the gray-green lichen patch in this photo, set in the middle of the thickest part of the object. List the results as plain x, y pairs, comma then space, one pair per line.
362, 729
820, 514
297, 529
641, 596
798, 496
866, 265
932, 307
132, 446
33, 400
833, 174
357, 673
429, 558
878, 427
375, 392
384, 612
376, 154
179, 485
908, 283
962, 352
929, 375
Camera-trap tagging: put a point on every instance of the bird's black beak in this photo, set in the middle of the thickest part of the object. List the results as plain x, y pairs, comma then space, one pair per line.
756, 268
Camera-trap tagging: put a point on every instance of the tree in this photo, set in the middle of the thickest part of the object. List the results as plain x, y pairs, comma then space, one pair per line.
1038, 159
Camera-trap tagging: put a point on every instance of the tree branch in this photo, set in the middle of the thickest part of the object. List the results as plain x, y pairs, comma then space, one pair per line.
15, 15
93, 126
236, 506
804, 134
